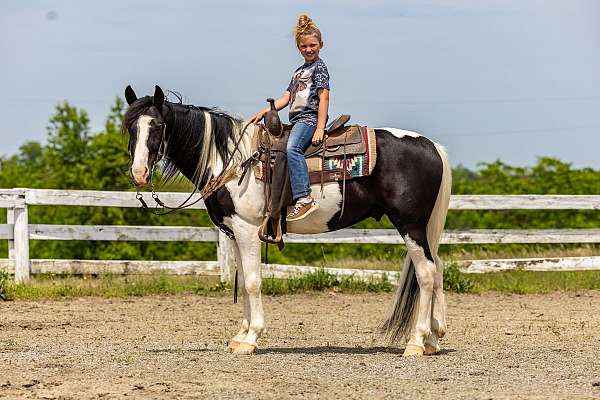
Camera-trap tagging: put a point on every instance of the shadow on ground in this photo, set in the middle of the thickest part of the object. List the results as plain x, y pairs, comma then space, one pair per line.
339, 350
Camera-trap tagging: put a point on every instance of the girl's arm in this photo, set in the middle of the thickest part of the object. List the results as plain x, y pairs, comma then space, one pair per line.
321, 116
280, 104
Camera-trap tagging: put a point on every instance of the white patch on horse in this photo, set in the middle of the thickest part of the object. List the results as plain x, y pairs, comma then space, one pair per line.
329, 205
248, 198
140, 155
400, 133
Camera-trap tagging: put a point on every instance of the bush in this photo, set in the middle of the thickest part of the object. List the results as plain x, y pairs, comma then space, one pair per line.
457, 281
4, 279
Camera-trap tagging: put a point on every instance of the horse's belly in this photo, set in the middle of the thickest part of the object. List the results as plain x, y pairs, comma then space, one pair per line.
329, 204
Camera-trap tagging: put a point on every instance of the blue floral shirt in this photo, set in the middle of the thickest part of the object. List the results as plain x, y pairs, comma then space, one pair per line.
303, 88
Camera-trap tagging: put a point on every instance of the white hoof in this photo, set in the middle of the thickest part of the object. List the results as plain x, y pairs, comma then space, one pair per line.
431, 350
245, 349
413, 350
233, 345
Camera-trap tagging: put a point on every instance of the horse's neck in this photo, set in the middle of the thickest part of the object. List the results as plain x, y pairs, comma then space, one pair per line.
187, 161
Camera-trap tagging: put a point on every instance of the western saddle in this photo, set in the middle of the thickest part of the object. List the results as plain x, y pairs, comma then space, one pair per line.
270, 165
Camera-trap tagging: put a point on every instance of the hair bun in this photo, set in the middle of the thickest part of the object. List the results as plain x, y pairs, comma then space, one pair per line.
306, 26
304, 21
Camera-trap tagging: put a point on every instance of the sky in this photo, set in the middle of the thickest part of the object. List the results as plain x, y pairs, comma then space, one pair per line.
511, 80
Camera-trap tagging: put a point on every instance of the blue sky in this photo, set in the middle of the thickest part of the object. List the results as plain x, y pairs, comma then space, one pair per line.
508, 80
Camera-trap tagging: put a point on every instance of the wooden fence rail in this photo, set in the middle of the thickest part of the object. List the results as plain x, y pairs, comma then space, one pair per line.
18, 232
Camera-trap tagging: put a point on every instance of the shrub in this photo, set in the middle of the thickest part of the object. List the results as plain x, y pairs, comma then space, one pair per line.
457, 281
4, 279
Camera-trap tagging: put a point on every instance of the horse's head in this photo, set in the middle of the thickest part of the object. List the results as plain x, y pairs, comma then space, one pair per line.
147, 126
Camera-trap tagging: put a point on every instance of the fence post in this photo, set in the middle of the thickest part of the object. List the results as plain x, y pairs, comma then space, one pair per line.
21, 241
10, 219
226, 258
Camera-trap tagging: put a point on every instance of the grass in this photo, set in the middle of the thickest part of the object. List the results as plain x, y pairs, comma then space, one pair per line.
527, 282
323, 280
55, 287
110, 286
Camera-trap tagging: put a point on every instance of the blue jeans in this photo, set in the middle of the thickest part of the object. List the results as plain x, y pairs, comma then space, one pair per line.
299, 140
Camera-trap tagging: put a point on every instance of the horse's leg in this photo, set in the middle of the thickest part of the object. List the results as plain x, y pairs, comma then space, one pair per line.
438, 317
425, 271
246, 235
241, 335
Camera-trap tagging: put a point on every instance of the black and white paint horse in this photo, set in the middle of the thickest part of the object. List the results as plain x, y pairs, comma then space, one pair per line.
410, 184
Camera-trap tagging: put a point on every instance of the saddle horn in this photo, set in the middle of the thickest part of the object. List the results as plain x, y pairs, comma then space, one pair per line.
272, 121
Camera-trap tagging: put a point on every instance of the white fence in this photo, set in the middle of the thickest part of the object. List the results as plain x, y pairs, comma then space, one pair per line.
18, 232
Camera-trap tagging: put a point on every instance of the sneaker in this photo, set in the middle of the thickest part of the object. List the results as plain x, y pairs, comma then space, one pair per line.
301, 210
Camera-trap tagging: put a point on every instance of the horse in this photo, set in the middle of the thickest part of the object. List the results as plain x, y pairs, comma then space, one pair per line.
410, 184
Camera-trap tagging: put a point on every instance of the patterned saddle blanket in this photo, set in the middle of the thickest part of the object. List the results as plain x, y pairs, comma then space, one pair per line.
349, 152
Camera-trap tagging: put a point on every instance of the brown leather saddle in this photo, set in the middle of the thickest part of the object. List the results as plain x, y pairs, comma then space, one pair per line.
339, 142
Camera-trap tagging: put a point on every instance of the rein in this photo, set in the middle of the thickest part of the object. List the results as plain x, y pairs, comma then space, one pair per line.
211, 186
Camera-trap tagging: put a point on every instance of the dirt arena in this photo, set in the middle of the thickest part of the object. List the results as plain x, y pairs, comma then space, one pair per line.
317, 346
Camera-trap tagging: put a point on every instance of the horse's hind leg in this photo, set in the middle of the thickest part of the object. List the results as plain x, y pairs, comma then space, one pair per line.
438, 317
241, 335
425, 271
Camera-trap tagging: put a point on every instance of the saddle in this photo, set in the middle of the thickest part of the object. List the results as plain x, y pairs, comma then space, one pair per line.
346, 152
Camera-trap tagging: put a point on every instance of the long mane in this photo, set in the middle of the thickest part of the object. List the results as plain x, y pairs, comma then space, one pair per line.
195, 145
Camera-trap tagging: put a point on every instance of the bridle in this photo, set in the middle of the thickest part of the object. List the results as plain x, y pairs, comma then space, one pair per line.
211, 186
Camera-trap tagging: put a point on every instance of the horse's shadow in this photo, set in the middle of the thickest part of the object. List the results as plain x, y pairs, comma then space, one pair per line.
174, 350
339, 350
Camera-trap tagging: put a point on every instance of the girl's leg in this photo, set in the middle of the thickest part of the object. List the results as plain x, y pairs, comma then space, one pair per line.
298, 142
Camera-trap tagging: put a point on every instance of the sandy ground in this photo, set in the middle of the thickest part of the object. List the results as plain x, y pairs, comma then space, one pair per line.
318, 346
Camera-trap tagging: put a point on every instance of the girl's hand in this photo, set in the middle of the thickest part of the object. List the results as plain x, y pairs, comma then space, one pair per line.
318, 136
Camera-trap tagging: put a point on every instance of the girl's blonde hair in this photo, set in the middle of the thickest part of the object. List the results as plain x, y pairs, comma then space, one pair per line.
306, 26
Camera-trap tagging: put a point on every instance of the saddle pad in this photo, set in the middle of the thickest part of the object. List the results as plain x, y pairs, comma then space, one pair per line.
329, 169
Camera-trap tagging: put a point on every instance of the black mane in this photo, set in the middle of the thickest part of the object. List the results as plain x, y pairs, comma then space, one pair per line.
185, 133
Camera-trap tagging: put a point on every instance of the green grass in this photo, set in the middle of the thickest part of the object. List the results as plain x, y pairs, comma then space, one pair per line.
56, 287
323, 280
513, 282
527, 282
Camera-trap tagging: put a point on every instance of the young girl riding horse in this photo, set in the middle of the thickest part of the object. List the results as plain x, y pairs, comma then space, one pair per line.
308, 98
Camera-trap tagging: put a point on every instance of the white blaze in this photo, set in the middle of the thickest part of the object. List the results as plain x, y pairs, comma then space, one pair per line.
140, 154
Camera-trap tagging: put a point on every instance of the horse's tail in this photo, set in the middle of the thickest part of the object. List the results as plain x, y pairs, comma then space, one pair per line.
437, 219
400, 319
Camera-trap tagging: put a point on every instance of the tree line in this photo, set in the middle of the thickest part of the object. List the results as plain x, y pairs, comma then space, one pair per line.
76, 158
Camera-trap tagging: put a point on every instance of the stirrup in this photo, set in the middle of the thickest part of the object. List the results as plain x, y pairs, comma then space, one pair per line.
263, 231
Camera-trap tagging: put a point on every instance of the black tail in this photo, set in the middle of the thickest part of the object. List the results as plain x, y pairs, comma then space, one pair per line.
399, 321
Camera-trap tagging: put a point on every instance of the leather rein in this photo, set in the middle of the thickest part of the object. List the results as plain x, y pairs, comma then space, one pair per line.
214, 184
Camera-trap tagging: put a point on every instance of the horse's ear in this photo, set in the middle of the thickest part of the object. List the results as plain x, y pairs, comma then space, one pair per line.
159, 97
130, 95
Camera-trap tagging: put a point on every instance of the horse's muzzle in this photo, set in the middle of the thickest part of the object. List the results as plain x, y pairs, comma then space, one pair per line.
140, 176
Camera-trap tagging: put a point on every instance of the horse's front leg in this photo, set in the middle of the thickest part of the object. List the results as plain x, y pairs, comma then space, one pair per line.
248, 244
234, 343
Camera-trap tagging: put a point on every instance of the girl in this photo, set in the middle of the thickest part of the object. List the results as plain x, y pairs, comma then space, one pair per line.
308, 98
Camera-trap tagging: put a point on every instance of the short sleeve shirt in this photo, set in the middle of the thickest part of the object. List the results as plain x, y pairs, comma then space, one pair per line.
303, 88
